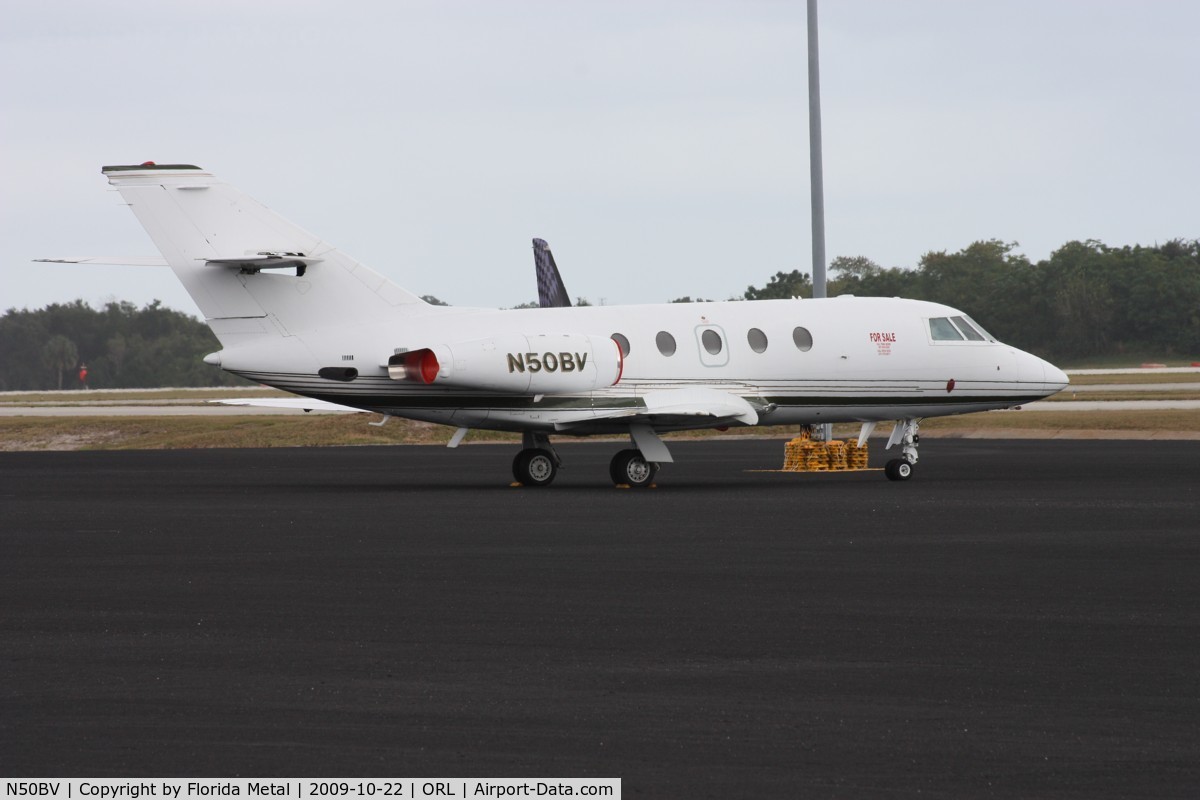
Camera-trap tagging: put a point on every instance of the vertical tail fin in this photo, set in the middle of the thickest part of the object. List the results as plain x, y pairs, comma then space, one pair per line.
230, 252
551, 291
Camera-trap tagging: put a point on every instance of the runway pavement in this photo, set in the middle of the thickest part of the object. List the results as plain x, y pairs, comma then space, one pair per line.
1020, 619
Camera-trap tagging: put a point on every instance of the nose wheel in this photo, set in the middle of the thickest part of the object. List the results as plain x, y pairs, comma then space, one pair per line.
904, 434
898, 469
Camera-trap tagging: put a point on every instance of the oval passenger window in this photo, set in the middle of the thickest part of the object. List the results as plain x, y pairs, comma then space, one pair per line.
803, 339
666, 343
757, 340
712, 341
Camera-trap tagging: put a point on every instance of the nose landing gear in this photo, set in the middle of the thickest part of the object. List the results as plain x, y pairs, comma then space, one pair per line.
898, 469
905, 433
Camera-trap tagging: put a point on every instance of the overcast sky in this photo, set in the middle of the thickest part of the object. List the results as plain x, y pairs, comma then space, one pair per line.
660, 147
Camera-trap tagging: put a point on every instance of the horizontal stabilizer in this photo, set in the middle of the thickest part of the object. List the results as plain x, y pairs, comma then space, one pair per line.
253, 263
128, 261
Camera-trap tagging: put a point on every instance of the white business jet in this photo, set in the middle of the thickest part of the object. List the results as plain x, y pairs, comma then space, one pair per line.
293, 312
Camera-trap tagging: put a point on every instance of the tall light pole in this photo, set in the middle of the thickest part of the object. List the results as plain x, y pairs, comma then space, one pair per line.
817, 180
816, 174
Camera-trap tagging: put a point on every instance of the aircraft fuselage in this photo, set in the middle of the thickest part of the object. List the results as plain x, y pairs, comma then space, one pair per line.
843, 359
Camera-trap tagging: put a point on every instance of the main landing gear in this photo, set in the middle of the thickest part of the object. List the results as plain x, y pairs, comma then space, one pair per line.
630, 468
534, 467
537, 464
905, 433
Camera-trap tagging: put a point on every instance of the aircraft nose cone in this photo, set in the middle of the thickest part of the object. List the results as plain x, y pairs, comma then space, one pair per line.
1040, 375
1056, 379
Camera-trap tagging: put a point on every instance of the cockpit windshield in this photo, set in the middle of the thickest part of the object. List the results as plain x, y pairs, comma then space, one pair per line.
958, 329
943, 330
986, 336
968, 330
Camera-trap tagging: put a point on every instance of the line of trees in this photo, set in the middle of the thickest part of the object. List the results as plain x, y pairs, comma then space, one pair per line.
120, 346
1087, 300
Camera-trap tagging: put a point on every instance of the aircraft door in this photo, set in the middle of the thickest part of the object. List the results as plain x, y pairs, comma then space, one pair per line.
712, 345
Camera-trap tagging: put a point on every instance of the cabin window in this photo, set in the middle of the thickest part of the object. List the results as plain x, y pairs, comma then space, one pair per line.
968, 330
623, 343
711, 341
803, 339
666, 343
943, 331
757, 340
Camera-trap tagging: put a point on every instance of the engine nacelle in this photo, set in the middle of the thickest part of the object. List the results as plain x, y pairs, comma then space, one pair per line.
534, 364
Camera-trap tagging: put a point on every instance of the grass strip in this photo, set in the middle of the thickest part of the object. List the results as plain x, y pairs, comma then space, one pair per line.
136, 396
1136, 378
195, 432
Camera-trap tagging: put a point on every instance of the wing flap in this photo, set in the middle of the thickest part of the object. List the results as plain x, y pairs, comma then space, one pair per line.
672, 408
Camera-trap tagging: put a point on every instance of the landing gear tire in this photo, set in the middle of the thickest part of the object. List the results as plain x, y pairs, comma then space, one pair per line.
630, 468
534, 467
898, 469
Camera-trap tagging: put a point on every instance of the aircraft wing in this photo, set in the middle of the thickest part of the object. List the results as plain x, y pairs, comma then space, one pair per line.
672, 407
302, 403
128, 261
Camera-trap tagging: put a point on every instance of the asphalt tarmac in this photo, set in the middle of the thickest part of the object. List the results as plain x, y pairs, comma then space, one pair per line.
1020, 619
